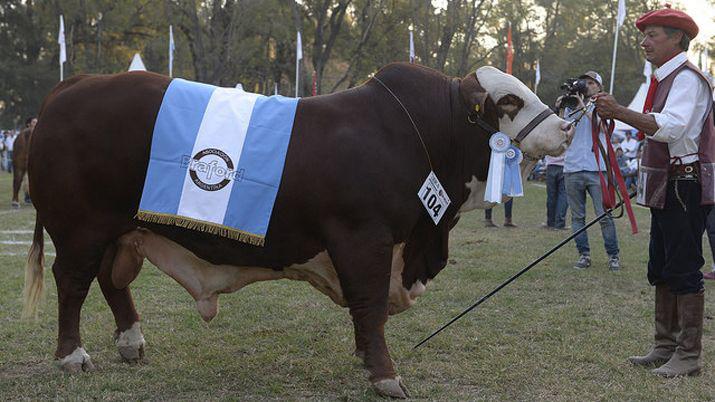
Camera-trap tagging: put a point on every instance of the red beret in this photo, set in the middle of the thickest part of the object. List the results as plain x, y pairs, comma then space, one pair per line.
667, 17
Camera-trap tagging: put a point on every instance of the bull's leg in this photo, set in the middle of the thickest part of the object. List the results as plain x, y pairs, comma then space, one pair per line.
363, 265
73, 280
128, 336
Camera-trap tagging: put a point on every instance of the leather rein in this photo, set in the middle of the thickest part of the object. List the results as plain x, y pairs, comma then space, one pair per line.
475, 117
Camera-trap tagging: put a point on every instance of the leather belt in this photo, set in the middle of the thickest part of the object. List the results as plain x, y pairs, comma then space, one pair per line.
690, 171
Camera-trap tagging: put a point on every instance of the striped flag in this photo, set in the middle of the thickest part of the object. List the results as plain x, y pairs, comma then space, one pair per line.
216, 160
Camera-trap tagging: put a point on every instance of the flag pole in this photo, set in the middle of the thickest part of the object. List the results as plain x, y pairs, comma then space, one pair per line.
620, 17
613, 62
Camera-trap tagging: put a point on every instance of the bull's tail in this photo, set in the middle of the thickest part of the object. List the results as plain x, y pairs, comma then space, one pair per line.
34, 273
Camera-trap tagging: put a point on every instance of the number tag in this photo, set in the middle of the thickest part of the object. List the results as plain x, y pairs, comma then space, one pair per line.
434, 198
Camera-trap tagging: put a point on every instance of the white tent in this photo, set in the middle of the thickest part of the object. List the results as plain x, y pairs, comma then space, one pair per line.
638, 100
137, 63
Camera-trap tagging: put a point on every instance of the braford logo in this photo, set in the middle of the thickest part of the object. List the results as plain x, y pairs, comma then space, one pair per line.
211, 169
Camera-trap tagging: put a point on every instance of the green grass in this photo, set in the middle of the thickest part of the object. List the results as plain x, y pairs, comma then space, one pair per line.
555, 334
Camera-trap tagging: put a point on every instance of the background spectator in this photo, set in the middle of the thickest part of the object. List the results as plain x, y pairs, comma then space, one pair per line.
556, 203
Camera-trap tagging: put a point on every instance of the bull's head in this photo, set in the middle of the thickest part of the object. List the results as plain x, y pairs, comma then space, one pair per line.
519, 112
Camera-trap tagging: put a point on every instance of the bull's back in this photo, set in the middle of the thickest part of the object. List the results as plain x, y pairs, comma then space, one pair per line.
90, 148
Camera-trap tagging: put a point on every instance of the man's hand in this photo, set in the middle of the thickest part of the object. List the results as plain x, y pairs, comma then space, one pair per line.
558, 101
581, 105
606, 105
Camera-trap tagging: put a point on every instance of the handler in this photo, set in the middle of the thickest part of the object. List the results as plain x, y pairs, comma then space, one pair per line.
676, 182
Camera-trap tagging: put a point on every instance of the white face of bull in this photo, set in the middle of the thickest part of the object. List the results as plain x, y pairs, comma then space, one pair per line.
518, 106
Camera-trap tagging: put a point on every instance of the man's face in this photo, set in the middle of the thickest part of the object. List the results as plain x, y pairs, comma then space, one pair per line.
33, 123
658, 46
593, 87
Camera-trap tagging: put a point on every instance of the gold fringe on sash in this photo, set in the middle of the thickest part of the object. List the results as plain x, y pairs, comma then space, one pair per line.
203, 226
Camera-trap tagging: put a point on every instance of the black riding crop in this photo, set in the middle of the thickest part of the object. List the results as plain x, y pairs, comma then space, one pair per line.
528, 267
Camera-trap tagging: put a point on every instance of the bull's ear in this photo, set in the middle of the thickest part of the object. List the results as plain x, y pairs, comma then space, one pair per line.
509, 105
473, 94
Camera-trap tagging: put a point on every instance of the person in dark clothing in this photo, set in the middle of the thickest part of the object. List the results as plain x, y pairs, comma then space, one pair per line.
677, 124
488, 222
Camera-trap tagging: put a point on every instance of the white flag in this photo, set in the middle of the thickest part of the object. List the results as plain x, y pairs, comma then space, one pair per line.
537, 75
621, 12
298, 58
61, 41
412, 48
172, 47
299, 48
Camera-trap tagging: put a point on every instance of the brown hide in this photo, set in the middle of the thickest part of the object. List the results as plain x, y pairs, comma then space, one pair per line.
349, 187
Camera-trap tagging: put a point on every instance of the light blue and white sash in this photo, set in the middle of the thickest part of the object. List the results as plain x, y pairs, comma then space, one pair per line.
504, 177
216, 161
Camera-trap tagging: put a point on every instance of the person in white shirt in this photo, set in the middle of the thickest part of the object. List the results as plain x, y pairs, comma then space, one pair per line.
678, 125
8, 142
629, 146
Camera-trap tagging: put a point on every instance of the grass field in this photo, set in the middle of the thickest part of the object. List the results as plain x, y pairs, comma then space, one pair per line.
556, 334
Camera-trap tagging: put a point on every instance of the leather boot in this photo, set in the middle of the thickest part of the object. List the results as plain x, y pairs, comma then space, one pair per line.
666, 329
687, 357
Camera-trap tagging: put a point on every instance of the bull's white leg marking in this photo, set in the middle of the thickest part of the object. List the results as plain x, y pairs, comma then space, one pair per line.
475, 200
131, 343
76, 361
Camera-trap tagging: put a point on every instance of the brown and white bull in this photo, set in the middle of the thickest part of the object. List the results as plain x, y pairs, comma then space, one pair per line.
347, 217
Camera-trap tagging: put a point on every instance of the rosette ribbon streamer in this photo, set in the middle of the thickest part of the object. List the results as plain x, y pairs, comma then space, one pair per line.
504, 178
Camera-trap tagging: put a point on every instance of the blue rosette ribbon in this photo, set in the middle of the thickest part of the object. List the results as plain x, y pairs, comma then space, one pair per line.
512, 186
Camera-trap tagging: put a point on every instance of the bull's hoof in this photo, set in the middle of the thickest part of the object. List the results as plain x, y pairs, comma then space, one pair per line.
76, 362
15, 205
131, 344
392, 388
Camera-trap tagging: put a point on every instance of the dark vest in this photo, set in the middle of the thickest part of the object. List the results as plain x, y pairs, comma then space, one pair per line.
655, 160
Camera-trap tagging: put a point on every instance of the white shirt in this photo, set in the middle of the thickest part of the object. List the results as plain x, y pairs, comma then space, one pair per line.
10, 141
682, 118
630, 147
554, 160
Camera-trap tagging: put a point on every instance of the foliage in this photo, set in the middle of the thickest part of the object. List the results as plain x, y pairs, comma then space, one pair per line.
223, 42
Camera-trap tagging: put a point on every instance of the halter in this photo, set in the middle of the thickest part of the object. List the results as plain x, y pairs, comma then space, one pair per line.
475, 118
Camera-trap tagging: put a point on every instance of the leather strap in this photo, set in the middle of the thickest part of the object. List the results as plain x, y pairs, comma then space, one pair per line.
532, 124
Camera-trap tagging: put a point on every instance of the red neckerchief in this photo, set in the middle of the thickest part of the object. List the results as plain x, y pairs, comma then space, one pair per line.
648, 106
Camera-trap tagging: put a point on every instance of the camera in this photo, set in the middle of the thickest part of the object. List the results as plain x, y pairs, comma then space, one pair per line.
571, 88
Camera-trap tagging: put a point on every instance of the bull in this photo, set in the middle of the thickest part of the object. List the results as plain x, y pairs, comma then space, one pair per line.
347, 218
